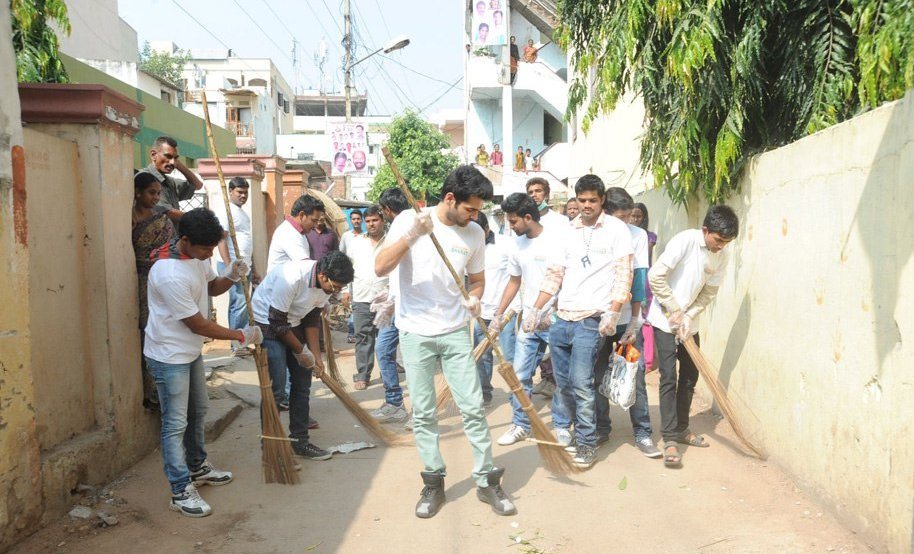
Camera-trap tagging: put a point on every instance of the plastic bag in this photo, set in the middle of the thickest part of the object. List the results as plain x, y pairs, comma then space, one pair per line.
618, 383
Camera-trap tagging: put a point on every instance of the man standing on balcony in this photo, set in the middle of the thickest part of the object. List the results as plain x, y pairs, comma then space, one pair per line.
164, 158
515, 57
496, 157
237, 310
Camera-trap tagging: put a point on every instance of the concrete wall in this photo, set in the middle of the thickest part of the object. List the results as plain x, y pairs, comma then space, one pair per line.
484, 125
20, 507
814, 327
98, 32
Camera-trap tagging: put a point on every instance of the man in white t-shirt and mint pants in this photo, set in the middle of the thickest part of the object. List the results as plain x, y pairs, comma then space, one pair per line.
684, 280
432, 317
179, 283
591, 278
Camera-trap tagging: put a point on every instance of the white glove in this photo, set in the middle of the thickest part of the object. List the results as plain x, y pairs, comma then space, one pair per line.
684, 330
383, 308
422, 225
496, 324
631, 332
472, 305
252, 334
534, 320
608, 322
235, 271
305, 358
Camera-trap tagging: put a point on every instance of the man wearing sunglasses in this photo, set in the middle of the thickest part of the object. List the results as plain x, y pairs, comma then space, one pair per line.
281, 303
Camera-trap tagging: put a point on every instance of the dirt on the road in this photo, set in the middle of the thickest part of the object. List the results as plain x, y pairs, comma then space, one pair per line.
720, 501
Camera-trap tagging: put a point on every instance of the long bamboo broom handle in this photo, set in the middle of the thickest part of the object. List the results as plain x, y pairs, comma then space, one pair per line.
228, 207
458, 280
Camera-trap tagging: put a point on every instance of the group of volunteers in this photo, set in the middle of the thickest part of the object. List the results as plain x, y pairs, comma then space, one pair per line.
571, 287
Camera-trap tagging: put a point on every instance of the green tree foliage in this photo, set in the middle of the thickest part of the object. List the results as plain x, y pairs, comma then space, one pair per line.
35, 41
724, 79
420, 151
164, 65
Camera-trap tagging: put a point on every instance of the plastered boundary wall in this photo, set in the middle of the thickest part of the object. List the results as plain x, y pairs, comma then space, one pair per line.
813, 329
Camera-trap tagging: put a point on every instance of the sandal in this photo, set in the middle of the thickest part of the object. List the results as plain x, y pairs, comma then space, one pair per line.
671, 455
692, 439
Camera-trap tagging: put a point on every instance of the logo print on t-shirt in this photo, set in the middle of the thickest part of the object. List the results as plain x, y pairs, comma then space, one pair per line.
460, 251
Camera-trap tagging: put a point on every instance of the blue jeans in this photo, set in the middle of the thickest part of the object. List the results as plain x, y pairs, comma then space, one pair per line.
280, 357
484, 365
638, 413
574, 347
238, 308
529, 351
385, 347
183, 399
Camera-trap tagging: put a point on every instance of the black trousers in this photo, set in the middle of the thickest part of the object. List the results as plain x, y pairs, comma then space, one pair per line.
675, 391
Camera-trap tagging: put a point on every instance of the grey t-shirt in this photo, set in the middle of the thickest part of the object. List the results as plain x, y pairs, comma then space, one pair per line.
172, 192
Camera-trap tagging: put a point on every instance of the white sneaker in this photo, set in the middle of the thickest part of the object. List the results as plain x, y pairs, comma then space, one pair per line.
209, 475
189, 503
563, 436
514, 434
389, 412
410, 424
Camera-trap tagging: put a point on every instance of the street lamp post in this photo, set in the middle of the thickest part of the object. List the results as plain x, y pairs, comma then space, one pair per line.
394, 44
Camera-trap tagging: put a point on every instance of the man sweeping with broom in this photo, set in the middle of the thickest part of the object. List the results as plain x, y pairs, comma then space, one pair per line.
684, 280
432, 317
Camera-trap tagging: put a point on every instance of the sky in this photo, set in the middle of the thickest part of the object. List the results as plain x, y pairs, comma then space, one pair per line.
420, 76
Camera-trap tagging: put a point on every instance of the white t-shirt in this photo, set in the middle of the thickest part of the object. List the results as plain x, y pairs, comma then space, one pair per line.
497, 256
692, 267
177, 289
243, 233
288, 289
588, 286
286, 245
553, 217
366, 284
427, 299
346, 240
639, 244
530, 259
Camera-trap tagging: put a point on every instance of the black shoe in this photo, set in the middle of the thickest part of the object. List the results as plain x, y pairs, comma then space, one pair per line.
432, 496
310, 451
283, 406
602, 438
495, 496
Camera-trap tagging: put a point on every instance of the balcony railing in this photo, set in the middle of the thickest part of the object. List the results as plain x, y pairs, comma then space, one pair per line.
240, 129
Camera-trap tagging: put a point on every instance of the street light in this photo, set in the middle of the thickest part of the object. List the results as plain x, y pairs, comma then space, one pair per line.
393, 44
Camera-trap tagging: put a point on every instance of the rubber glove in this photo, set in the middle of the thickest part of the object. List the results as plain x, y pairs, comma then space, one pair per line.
608, 322
305, 358
684, 331
631, 332
252, 334
472, 305
383, 308
422, 225
235, 271
496, 324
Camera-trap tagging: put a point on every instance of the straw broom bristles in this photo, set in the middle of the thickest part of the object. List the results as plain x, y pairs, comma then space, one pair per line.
278, 465
709, 373
444, 398
332, 367
369, 423
555, 459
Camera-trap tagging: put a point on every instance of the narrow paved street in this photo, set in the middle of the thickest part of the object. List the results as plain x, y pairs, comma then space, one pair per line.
363, 501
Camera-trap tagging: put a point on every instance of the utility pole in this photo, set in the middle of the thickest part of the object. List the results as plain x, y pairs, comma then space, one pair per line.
347, 44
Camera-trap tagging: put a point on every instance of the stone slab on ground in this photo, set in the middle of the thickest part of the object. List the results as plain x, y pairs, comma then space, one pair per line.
220, 414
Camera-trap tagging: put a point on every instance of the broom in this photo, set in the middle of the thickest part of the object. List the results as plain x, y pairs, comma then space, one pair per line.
709, 373
331, 378
444, 397
555, 459
278, 464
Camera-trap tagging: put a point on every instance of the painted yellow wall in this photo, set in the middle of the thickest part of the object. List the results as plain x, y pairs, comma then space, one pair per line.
814, 327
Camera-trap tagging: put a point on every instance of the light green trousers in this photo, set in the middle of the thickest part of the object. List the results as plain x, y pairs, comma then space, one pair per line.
455, 350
